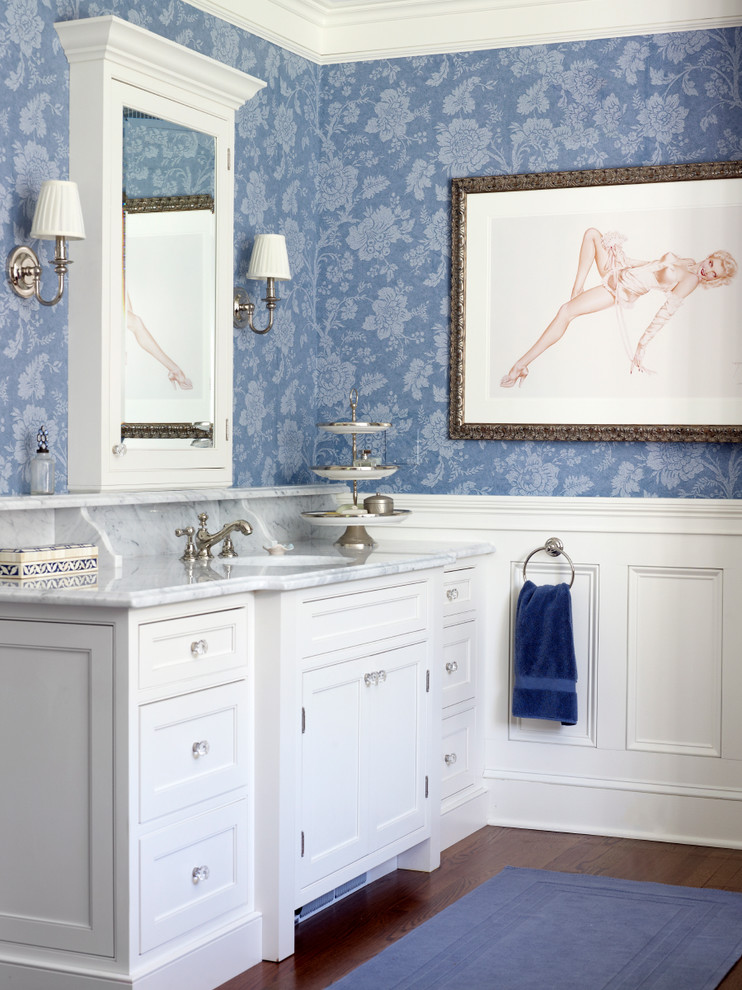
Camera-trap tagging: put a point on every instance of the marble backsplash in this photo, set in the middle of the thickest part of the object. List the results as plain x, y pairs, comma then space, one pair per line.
142, 524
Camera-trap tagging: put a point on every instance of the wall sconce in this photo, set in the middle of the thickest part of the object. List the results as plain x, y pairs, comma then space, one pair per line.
269, 260
58, 217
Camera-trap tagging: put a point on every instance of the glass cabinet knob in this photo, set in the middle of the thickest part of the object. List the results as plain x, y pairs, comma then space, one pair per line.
200, 748
199, 873
199, 648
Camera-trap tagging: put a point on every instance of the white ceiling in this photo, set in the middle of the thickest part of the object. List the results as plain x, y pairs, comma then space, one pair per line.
328, 31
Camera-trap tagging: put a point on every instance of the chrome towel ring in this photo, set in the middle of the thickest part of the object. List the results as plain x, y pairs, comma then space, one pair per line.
554, 547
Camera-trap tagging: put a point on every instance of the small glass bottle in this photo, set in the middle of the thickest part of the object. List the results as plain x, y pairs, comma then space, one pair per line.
42, 467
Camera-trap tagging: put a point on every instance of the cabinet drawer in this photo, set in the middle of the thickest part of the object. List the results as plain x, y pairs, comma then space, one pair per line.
192, 748
459, 662
175, 650
457, 752
346, 620
191, 873
457, 590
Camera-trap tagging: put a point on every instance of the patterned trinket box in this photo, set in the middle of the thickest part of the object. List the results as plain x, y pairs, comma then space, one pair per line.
62, 559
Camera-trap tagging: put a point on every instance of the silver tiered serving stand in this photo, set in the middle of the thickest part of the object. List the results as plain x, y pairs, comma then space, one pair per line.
355, 536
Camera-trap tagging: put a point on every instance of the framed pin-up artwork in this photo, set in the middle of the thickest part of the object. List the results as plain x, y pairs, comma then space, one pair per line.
598, 305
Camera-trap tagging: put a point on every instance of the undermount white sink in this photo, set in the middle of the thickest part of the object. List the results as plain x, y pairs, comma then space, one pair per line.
286, 560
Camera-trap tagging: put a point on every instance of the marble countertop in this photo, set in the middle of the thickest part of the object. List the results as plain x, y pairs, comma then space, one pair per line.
188, 496
144, 581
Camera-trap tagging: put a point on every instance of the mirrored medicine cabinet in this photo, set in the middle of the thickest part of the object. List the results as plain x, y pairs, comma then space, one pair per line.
150, 314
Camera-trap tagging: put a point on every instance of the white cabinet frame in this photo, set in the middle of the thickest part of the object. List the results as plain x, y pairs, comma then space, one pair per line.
115, 64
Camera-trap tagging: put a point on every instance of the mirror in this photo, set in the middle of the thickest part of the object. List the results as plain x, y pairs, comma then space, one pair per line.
169, 227
150, 342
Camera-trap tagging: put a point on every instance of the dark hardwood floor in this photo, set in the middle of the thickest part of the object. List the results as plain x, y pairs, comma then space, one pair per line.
340, 938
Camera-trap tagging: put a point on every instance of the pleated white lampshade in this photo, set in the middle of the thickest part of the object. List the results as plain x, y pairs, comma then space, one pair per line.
58, 212
269, 258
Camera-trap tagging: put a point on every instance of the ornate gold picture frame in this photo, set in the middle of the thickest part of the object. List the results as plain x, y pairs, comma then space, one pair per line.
598, 305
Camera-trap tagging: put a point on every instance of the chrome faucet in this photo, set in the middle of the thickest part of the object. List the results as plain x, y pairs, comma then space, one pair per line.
200, 549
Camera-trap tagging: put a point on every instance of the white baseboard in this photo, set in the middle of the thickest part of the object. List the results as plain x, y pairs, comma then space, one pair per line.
461, 818
208, 966
599, 809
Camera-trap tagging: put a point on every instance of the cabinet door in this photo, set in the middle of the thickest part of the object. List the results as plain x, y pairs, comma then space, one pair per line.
56, 807
334, 819
396, 717
363, 757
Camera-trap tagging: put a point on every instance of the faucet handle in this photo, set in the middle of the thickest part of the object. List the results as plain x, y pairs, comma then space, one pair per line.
190, 550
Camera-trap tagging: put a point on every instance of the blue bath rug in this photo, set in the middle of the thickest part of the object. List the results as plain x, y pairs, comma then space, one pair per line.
538, 930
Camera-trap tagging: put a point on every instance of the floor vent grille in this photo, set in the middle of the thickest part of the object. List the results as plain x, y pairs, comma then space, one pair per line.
302, 913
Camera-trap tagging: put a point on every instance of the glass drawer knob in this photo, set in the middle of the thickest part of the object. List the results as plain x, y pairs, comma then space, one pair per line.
452, 666
452, 594
200, 748
450, 759
200, 873
199, 648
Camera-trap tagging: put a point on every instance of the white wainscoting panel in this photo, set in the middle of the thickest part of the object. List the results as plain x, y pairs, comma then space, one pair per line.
657, 607
584, 623
674, 660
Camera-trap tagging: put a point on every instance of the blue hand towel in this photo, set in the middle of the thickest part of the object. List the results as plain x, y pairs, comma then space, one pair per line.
545, 665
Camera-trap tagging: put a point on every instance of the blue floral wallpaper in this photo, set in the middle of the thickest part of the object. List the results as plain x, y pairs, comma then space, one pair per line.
161, 158
353, 164
393, 134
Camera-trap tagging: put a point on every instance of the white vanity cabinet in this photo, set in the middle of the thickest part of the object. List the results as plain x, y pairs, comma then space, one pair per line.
347, 702
463, 804
126, 850
180, 779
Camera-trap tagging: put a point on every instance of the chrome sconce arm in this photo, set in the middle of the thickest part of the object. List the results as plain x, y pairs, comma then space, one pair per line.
269, 261
58, 217
24, 272
244, 308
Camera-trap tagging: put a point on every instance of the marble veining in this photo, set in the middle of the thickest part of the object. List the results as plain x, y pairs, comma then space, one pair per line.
143, 524
19, 529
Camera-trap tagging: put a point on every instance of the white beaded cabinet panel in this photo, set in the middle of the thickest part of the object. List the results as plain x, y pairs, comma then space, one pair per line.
56, 810
346, 711
131, 788
463, 795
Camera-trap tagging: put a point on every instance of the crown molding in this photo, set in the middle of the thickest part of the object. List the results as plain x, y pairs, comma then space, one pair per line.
113, 40
331, 31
